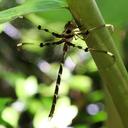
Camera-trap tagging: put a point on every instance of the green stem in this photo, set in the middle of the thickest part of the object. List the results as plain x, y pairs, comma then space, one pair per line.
114, 75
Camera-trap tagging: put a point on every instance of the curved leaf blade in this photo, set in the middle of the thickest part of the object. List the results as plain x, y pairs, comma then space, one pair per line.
30, 7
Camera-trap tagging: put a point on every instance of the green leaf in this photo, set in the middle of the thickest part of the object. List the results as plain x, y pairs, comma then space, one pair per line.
101, 116
96, 96
82, 83
115, 76
11, 116
81, 126
26, 88
3, 102
30, 7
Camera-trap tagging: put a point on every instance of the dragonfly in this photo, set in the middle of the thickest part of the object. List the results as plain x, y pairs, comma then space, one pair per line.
71, 30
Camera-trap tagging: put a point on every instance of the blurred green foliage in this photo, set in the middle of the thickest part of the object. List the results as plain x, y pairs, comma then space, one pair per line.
27, 75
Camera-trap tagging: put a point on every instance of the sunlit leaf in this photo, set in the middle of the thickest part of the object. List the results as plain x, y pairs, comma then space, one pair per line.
81, 83
26, 87
10, 115
35, 105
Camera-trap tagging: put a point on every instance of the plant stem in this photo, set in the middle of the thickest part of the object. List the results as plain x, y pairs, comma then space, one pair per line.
114, 75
